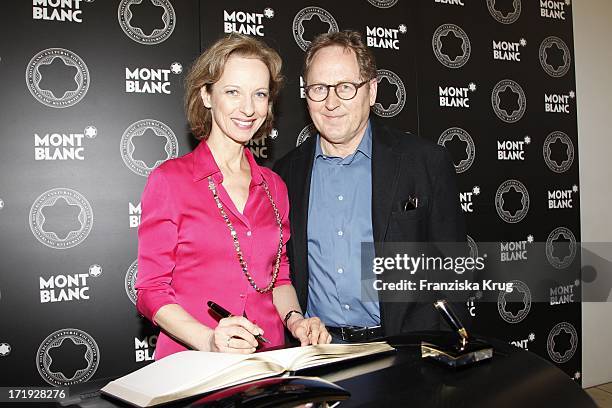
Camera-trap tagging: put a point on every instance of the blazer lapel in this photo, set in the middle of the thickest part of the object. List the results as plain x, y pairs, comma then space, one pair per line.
385, 174
301, 168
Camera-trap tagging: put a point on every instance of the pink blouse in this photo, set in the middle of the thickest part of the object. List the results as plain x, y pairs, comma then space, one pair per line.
186, 253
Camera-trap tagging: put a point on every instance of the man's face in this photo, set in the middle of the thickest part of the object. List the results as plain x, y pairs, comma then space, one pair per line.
339, 121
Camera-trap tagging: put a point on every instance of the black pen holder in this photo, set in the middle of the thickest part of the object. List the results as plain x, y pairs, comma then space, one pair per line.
450, 350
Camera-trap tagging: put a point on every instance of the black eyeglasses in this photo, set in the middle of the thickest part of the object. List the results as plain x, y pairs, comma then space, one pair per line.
344, 90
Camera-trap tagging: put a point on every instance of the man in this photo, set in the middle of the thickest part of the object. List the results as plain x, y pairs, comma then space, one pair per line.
359, 181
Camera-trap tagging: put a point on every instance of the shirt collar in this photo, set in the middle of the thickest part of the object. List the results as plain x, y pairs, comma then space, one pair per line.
204, 165
365, 146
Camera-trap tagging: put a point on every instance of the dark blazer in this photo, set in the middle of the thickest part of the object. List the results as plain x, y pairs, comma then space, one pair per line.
403, 165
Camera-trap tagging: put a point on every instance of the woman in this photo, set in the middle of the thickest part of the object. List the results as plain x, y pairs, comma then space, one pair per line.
214, 224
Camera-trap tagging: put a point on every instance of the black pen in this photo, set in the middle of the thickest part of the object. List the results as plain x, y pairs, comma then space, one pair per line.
451, 318
219, 310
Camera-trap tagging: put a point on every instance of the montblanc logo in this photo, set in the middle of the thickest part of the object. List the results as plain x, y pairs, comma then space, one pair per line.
514, 306
465, 198
524, 343
512, 150
558, 103
5, 349
456, 97
383, 3
66, 288
259, 146
125, 13
558, 151
51, 146
57, 95
61, 218
554, 9
461, 146
558, 199
451, 46
512, 201
451, 2
130, 281
306, 14
512, 251
58, 10
144, 348
151, 80
135, 210
508, 100
147, 131
555, 57
388, 38
392, 79
563, 294
561, 247
504, 16
244, 22
308, 131
508, 50
562, 342
67, 357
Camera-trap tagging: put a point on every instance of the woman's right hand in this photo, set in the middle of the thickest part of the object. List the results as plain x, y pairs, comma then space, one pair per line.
235, 334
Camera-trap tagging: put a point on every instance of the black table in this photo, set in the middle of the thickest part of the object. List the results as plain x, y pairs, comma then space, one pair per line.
513, 378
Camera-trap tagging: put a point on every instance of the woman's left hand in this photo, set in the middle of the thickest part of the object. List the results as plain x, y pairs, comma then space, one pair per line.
308, 331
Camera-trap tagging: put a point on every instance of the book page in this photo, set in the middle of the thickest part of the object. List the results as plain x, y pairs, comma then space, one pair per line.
298, 358
178, 374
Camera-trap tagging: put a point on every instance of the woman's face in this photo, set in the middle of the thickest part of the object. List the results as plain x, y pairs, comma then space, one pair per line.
239, 100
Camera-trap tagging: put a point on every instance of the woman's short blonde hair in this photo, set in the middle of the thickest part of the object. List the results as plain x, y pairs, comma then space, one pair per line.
208, 68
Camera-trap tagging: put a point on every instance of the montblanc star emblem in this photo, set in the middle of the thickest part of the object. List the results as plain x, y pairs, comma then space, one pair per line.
91, 132
176, 68
268, 12
95, 270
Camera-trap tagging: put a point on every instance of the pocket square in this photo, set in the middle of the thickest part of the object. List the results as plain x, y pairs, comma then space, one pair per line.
410, 204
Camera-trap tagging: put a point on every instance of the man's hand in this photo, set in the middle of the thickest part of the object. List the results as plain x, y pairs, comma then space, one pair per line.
308, 331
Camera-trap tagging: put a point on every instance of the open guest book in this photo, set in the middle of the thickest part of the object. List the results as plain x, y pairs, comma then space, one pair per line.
190, 373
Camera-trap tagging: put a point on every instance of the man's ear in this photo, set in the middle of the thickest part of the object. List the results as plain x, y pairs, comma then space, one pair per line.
373, 90
205, 97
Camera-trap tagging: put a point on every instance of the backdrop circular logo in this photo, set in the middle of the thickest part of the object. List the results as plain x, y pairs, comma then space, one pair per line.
400, 94
500, 202
34, 78
159, 35
446, 59
559, 329
465, 137
383, 3
51, 370
49, 199
309, 130
137, 129
565, 164
514, 316
505, 18
547, 53
509, 115
130, 281
561, 261
307, 14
